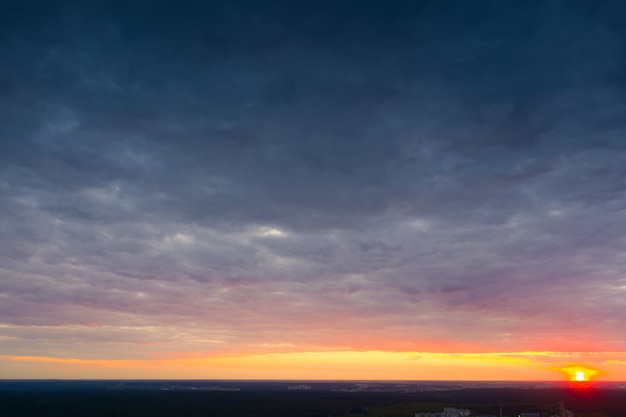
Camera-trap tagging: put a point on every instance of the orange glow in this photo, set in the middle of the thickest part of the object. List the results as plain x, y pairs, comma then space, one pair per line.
107, 363
326, 365
372, 365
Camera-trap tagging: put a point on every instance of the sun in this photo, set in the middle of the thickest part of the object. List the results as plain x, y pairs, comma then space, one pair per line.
579, 373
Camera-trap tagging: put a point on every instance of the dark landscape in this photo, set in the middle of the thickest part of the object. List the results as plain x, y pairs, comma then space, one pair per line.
304, 399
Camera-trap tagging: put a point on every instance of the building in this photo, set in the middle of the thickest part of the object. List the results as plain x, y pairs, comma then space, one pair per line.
447, 412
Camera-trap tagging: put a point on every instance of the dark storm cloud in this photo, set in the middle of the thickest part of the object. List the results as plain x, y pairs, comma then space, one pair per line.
234, 169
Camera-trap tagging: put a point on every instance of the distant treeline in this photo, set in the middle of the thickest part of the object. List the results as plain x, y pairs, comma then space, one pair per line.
26, 400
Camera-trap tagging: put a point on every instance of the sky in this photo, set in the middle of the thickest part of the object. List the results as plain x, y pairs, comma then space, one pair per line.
230, 189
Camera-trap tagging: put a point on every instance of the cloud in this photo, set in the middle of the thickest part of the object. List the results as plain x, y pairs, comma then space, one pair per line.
399, 177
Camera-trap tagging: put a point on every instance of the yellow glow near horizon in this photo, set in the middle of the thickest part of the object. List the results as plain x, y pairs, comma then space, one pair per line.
327, 365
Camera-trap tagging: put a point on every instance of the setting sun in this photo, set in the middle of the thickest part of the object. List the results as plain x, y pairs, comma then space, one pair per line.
579, 373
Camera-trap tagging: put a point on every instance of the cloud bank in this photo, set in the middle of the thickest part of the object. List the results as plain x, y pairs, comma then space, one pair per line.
182, 177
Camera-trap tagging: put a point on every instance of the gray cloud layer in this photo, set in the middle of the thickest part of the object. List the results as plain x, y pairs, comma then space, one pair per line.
205, 177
